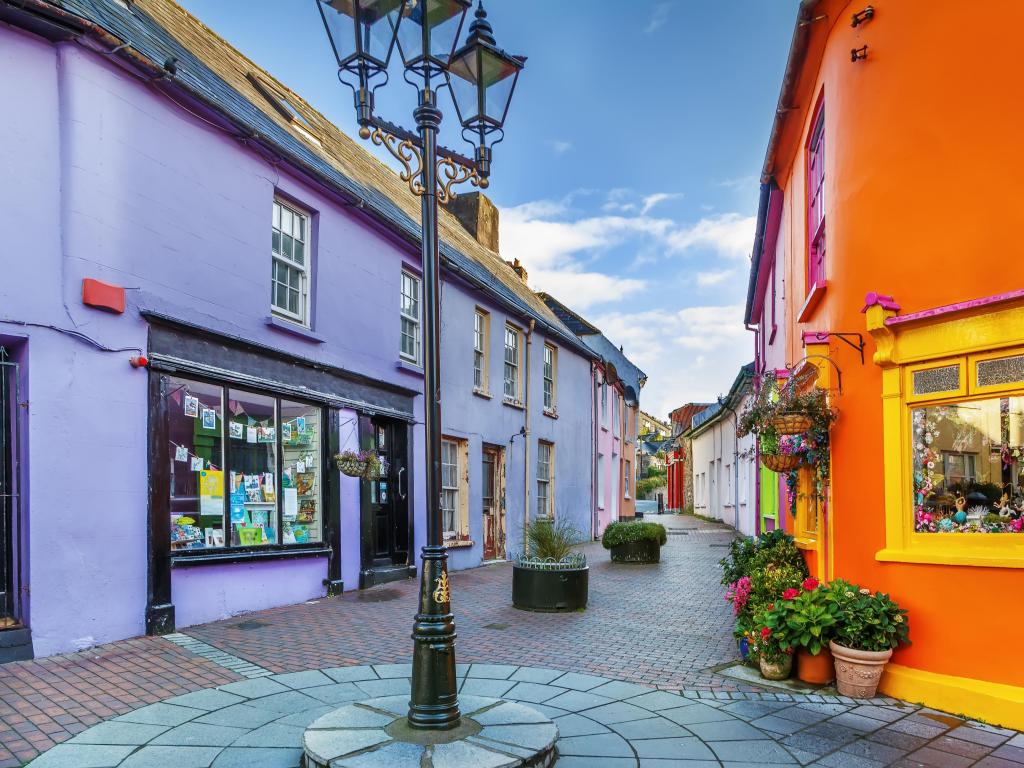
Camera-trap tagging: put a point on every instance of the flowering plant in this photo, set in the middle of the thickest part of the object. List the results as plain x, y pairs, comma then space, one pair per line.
868, 621
805, 618
738, 593
765, 643
366, 464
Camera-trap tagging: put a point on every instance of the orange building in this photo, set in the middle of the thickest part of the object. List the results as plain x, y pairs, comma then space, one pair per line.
886, 265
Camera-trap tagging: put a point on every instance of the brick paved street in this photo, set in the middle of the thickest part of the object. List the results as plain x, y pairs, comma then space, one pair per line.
661, 626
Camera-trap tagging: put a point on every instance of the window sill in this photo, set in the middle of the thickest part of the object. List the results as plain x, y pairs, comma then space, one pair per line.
246, 554
411, 368
293, 328
806, 544
459, 544
604, 428
813, 300
517, 404
551, 413
482, 393
1004, 554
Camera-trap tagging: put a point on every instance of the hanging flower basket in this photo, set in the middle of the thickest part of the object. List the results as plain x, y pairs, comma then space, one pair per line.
780, 462
792, 423
351, 463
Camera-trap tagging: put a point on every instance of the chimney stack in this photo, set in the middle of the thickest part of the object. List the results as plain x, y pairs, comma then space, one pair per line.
478, 216
519, 269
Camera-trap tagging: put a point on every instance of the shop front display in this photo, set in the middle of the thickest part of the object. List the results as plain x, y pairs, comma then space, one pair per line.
244, 468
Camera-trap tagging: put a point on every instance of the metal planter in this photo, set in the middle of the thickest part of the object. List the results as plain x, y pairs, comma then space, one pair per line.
550, 590
646, 551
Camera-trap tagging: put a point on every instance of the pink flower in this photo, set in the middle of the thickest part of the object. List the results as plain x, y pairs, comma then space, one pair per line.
790, 594
810, 584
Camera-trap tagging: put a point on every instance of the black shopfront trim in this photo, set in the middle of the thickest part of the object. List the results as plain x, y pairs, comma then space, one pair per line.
179, 348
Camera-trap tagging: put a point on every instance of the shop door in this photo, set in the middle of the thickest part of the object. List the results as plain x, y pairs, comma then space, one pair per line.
387, 532
9, 604
494, 503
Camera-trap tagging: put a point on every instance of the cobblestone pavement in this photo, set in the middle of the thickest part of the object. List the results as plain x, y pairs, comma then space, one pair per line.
663, 626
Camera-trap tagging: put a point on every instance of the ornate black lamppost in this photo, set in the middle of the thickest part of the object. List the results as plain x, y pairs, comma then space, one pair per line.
481, 77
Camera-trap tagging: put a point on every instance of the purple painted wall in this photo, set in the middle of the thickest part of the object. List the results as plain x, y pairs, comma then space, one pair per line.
106, 179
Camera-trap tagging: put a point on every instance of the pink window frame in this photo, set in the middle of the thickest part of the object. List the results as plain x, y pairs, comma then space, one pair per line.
816, 200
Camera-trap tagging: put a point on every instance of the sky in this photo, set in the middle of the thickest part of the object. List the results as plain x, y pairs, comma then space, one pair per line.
628, 179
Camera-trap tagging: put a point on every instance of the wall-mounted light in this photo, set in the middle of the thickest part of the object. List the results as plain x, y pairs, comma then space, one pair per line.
858, 54
862, 16
139, 361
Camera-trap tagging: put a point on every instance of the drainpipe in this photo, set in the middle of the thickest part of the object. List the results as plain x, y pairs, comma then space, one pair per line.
594, 476
756, 464
526, 438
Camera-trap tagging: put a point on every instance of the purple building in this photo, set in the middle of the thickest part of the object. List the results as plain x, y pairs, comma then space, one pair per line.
166, 199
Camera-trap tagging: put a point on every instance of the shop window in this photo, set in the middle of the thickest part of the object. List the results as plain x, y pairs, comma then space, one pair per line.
455, 491
966, 462
245, 467
409, 347
290, 262
545, 479
481, 344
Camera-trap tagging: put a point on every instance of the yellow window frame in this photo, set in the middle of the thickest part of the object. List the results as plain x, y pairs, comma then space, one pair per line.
972, 335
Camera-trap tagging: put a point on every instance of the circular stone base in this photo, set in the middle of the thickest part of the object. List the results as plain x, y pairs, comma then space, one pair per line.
374, 734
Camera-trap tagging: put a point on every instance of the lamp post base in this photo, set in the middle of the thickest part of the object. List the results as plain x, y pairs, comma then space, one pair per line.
493, 733
434, 703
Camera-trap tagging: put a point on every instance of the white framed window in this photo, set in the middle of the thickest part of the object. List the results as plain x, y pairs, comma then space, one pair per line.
481, 344
545, 479
454, 491
600, 481
604, 401
513, 344
550, 373
289, 274
627, 479
409, 348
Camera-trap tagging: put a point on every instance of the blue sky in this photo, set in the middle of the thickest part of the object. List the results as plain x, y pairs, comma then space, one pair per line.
628, 179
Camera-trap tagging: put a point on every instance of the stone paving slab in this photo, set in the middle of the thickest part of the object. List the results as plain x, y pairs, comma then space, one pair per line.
261, 724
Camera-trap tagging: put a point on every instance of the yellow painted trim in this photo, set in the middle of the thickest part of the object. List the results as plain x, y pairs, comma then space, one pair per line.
802, 542
959, 392
995, 703
997, 557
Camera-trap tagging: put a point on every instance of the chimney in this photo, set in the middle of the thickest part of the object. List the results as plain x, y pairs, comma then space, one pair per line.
519, 269
478, 216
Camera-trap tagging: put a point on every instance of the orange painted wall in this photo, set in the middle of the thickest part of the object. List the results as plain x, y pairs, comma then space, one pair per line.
924, 198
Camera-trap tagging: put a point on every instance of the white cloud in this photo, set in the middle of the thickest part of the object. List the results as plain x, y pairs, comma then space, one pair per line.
658, 197
584, 290
729, 234
738, 183
658, 18
706, 279
560, 146
689, 355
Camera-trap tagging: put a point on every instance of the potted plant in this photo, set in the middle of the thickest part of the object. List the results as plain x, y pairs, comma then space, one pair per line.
549, 576
774, 659
804, 621
634, 542
871, 626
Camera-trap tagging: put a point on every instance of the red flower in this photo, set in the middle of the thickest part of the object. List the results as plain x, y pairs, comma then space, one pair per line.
790, 594
771, 606
811, 584
765, 632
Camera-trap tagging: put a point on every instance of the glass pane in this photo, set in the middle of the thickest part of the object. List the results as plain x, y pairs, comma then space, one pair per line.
277, 215
299, 253
932, 380
1004, 370
275, 241
293, 302
194, 427
967, 466
286, 245
301, 478
253, 468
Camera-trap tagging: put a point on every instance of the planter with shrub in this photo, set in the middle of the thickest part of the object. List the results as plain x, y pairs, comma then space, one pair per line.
550, 577
634, 542
803, 622
871, 626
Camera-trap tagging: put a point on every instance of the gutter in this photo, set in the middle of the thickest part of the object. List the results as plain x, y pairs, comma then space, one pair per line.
755, 255
53, 23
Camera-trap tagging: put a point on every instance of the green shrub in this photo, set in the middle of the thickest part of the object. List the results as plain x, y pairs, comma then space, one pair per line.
624, 533
749, 554
869, 621
552, 539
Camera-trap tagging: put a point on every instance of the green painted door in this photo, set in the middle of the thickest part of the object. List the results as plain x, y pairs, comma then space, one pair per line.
769, 501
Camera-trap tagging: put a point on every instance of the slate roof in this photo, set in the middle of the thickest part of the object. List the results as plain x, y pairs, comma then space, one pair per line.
211, 70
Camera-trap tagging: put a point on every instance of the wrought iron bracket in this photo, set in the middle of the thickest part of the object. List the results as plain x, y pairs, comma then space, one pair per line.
847, 339
405, 147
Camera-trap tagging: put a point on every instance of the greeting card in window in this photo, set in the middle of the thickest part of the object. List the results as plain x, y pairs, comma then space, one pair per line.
191, 406
237, 431
209, 418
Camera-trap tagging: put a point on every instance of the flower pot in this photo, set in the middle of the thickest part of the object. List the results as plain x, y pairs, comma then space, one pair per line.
858, 672
744, 646
352, 467
646, 551
816, 669
550, 590
776, 670
791, 423
779, 462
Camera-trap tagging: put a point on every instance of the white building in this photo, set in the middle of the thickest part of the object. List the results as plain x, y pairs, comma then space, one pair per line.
724, 476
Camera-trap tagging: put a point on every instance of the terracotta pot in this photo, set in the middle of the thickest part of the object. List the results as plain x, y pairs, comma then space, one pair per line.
776, 670
858, 672
778, 462
817, 669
